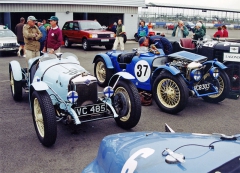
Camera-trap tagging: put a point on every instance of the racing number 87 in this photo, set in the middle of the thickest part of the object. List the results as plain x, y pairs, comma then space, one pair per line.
140, 68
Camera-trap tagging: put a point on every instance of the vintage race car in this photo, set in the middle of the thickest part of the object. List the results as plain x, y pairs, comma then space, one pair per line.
171, 78
225, 50
154, 152
60, 89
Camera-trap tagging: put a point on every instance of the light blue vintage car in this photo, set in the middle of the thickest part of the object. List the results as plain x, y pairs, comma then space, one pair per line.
156, 152
60, 89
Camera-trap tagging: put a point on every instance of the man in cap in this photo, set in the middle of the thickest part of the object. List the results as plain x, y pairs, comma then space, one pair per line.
54, 37
31, 35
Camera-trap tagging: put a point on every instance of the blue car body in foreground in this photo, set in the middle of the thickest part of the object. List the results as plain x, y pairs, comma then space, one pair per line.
143, 152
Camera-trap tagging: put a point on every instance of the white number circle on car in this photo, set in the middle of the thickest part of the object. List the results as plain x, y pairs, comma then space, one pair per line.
142, 70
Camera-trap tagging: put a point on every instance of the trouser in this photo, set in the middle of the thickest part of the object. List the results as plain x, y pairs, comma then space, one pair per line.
117, 41
41, 47
31, 54
55, 51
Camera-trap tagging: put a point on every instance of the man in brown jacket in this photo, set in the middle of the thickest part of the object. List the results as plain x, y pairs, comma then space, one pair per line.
31, 35
19, 33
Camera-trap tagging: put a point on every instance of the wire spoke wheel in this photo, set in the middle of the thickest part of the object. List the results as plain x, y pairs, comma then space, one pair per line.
101, 71
168, 93
220, 88
38, 117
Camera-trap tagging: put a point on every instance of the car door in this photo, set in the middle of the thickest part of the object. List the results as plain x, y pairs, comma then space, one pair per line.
76, 32
70, 32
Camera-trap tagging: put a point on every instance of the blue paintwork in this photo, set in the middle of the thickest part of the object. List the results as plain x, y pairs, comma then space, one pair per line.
115, 151
106, 59
111, 58
217, 63
16, 70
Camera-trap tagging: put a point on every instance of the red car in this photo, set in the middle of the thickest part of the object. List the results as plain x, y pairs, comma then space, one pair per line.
88, 33
169, 26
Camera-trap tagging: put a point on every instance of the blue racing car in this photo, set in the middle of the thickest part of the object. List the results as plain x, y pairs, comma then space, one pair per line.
171, 78
154, 152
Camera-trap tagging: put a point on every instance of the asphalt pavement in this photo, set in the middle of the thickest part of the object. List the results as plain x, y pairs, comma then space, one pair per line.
21, 152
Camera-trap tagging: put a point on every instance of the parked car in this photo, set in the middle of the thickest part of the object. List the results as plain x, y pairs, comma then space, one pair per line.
227, 52
88, 33
8, 40
60, 89
145, 152
171, 78
169, 26
189, 25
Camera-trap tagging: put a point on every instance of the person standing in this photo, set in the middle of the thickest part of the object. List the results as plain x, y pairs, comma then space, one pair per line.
203, 26
142, 30
225, 31
150, 26
19, 34
219, 32
31, 35
54, 37
180, 30
44, 35
198, 32
120, 31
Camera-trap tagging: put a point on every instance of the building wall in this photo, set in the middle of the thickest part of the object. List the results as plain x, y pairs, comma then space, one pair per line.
131, 24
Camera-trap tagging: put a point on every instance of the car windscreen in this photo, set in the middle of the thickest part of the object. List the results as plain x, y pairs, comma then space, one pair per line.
90, 25
191, 24
7, 33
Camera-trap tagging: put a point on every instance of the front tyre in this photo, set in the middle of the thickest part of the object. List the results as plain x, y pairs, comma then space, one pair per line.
129, 104
223, 85
16, 86
67, 43
85, 44
170, 92
102, 73
44, 117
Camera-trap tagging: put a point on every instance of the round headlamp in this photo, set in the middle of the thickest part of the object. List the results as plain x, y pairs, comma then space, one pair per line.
196, 75
108, 91
214, 72
72, 96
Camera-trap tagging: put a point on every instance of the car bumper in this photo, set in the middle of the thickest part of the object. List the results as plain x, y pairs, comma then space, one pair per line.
101, 41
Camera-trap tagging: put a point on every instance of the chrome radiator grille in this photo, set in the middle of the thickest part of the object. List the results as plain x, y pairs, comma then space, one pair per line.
103, 35
9, 44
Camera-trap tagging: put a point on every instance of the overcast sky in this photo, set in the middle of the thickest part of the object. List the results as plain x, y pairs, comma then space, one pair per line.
230, 4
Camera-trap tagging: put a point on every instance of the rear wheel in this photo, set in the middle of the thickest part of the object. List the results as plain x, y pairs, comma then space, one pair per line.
67, 43
102, 73
44, 118
222, 83
85, 44
136, 37
127, 104
170, 92
16, 86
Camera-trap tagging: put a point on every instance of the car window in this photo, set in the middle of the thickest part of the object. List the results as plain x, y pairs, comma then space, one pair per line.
7, 33
90, 25
70, 26
76, 27
65, 27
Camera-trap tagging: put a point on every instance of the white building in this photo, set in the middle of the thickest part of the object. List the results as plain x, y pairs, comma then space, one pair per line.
105, 11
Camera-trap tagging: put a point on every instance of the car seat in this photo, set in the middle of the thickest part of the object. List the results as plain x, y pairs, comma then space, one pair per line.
125, 59
187, 43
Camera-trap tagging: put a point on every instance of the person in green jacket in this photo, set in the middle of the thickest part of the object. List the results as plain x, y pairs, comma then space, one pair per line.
198, 32
180, 30
203, 26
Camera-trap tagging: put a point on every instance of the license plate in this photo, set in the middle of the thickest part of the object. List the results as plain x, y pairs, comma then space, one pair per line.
231, 57
202, 87
104, 40
91, 109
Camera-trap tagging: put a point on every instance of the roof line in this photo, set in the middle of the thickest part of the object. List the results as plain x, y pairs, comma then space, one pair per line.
190, 7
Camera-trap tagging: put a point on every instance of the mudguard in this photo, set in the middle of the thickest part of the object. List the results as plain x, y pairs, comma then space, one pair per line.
219, 64
106, 58
125, 75
40, 86
32, 61
16, 69
171, 69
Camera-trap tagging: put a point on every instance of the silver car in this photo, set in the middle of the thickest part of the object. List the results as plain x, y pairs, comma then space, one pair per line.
8, 40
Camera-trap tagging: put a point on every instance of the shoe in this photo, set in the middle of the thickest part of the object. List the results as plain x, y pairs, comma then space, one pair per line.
18, 53
24, 56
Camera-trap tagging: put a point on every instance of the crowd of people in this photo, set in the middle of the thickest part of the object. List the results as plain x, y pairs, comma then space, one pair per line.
37, 36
